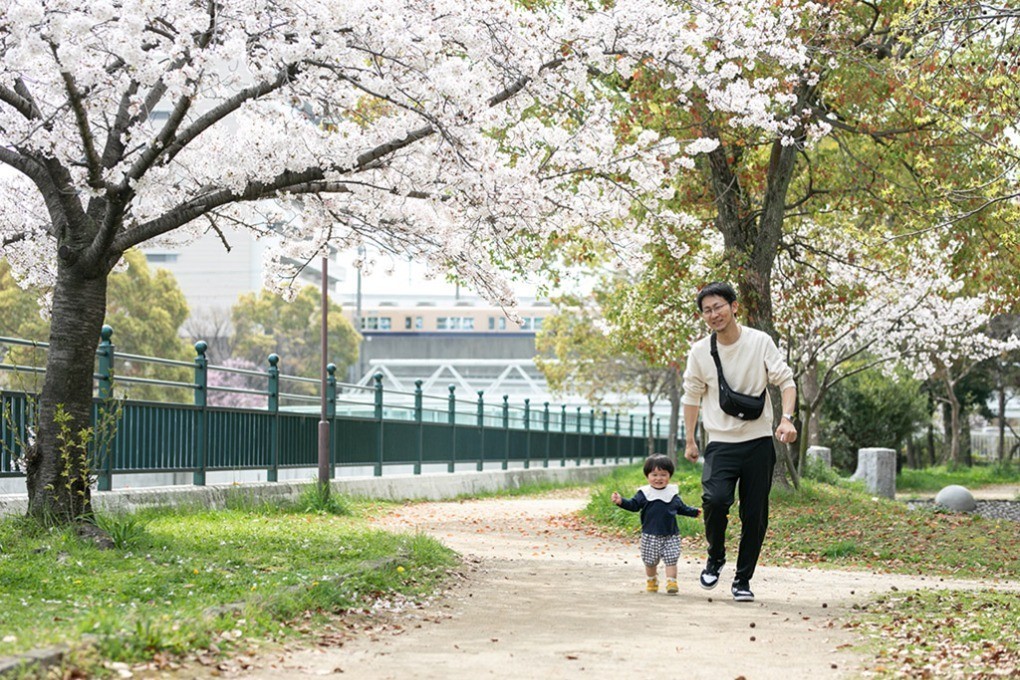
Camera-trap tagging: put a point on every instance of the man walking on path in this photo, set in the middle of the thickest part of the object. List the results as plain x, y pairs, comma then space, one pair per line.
740, 445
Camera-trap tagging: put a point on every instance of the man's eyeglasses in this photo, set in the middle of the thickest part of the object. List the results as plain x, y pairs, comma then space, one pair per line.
708, 311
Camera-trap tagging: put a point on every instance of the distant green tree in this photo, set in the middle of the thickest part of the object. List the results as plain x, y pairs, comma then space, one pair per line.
871, 409
264, 324
20, 318
146, 309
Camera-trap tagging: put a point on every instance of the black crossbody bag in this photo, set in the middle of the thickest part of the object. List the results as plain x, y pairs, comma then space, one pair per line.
738, 405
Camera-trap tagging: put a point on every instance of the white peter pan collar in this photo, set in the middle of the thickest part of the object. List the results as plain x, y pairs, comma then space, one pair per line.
665, 495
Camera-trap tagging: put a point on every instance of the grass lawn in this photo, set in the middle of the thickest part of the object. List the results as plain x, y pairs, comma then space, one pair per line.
932, 634
935, 478
187, 580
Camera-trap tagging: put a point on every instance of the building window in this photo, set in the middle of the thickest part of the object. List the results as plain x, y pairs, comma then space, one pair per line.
407, 323
376, 323
497, 323
419, 323
531, 323
161, 257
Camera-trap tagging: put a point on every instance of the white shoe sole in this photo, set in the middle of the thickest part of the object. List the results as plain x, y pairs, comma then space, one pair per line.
705, 586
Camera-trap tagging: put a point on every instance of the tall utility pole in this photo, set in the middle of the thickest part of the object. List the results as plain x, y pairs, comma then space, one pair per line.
323, 420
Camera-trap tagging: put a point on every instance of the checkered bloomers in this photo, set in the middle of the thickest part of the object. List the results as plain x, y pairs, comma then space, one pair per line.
654, 548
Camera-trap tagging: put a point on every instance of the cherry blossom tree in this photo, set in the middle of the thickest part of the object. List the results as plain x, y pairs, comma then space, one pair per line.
855, 315
443, 130
225, 385
947, 340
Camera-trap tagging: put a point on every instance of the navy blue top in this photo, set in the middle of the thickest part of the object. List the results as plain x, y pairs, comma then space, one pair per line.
659, 508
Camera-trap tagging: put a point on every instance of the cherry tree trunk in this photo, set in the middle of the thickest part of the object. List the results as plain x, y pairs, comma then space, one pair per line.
57, 461
811, 396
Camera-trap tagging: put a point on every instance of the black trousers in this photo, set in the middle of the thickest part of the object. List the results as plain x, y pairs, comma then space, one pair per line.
751, 464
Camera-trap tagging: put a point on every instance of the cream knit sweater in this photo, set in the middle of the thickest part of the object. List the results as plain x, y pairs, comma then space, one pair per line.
748, 364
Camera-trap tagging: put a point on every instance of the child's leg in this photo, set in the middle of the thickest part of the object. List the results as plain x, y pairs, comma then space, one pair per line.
650, 555
670, 556
652, 572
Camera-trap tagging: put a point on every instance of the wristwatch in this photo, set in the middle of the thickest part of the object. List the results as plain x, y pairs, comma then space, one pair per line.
788, 416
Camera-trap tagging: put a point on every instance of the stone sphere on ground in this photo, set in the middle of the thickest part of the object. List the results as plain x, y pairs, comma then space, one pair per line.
956, 497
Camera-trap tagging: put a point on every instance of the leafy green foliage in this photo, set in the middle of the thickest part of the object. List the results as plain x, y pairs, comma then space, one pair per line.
323, 501
126, 531
871, 409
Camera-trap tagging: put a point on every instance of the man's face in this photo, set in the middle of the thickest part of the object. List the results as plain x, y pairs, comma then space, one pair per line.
716, 312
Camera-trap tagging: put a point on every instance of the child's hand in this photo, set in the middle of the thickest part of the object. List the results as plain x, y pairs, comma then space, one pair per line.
617, 498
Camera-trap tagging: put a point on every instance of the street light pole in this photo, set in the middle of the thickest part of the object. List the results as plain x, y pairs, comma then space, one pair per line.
323, 421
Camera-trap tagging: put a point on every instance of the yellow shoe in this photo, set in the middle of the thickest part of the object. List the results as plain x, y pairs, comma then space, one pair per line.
671, 587
653, 585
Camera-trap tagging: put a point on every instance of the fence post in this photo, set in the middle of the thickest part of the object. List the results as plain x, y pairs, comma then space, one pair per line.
527, 433
617, 437
578, 423
658, 432
548, 437
452, 419
274, 416
377, 471
201, 439
563, 434
591, 431
331, 416
605, 439
481, 432
506, 431
104, 452
419, 444
630, 457
644, 435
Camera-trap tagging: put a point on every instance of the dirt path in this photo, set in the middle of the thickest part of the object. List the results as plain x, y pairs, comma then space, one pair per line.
543, 600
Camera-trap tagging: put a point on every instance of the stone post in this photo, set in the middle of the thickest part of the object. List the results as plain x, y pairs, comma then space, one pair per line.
877, 468
819, 455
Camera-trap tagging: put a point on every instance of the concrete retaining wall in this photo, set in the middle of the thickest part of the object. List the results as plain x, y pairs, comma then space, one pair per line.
394, 488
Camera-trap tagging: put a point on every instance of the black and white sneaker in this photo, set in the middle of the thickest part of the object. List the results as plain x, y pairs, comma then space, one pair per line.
742, 591
710, 574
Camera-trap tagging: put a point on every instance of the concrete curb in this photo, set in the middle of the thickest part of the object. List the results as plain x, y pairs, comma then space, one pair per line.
431, 487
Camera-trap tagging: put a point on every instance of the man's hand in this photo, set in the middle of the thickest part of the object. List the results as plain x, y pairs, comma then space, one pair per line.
692, 453
786, 432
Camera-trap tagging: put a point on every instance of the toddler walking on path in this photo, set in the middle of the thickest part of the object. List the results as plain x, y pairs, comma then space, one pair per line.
659, 503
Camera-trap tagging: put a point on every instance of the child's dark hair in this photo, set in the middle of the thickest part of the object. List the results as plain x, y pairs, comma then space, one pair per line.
659, 461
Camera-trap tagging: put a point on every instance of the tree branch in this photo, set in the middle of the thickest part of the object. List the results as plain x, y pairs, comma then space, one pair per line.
88, 141
17, 102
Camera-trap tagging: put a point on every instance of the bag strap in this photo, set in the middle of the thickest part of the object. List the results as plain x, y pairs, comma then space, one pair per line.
718, 364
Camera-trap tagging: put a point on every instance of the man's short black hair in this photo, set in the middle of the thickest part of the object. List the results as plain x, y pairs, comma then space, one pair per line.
660, 462
720, 288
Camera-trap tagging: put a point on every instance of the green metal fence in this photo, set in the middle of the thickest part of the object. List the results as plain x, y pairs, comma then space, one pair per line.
370, 427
